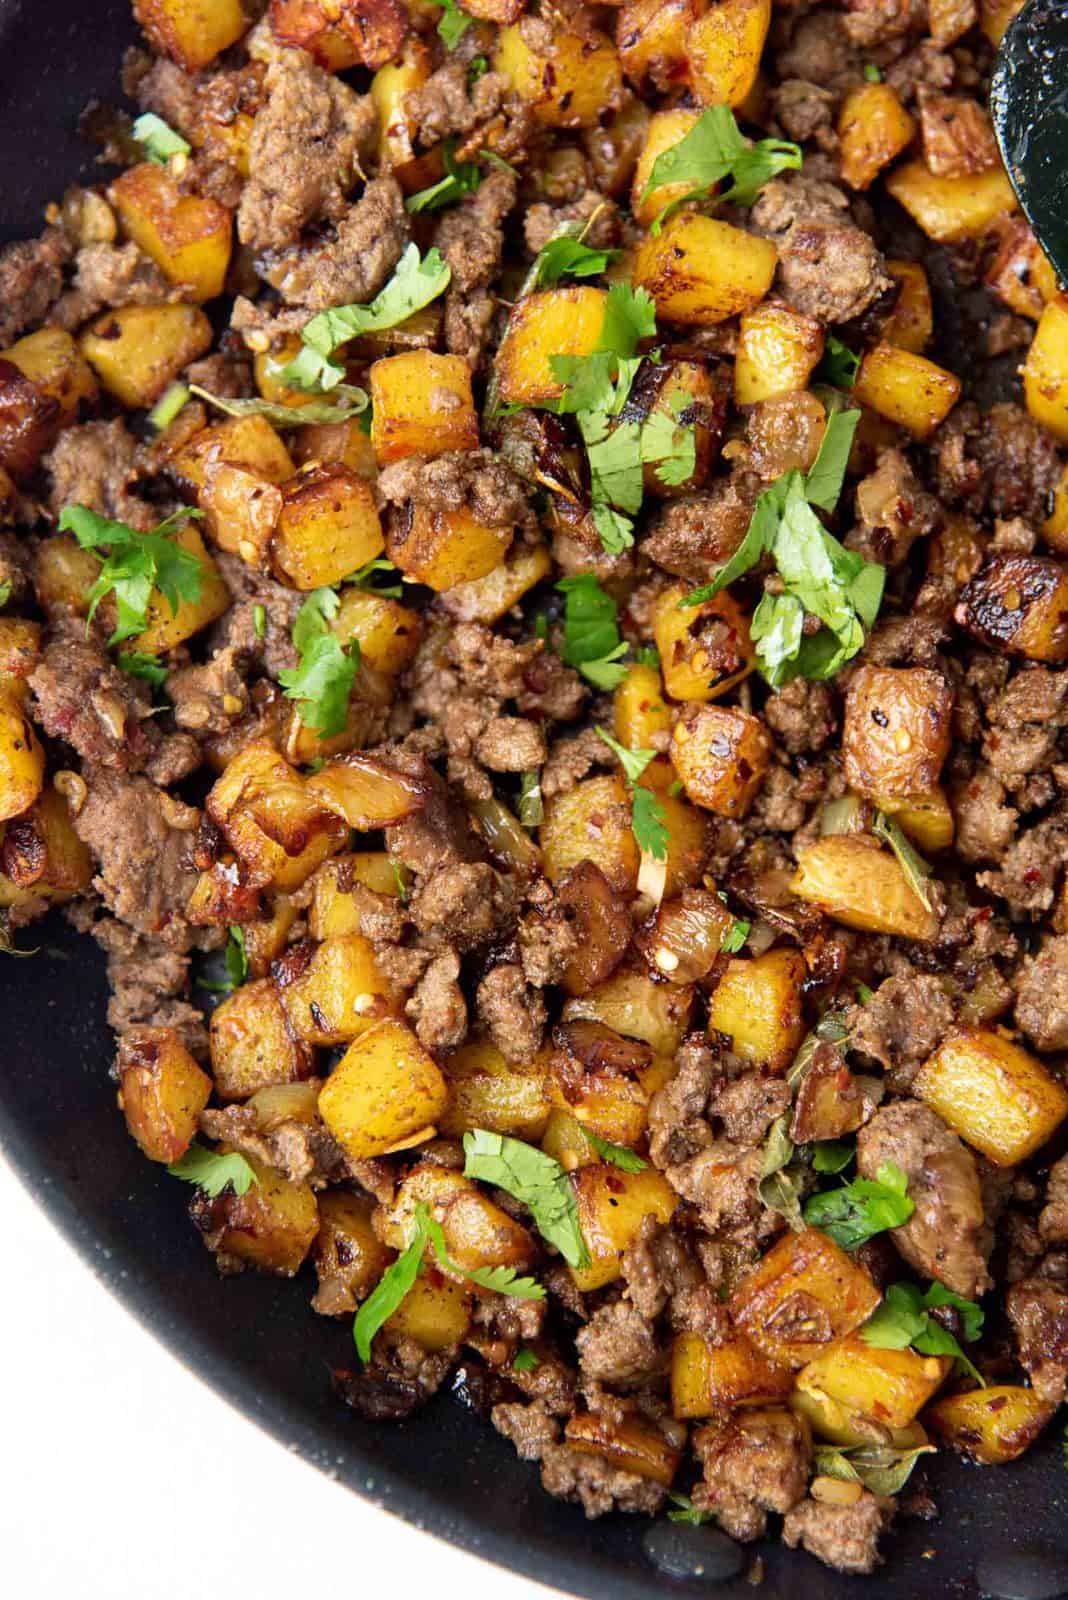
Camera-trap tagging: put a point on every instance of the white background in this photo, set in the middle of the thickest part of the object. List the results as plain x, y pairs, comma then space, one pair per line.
110, 1448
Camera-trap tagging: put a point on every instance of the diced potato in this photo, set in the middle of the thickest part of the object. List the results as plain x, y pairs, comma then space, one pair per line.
612, 1205
888, 1386
165, 628
272, 1225
29, 423
1018, 605
435, 1312
630, 1445
349, 1256
388, 633
857, 883
949, 20
385, 1093
553, 322
757, 1005
724, 47
241, 509
952, 209
639, 711
591, 822
778, 348
191, 32
911, 323
137, 351
829, 1419
653, 37
272, 819
594, 1075
446, 548
22, 761
367, 792
1020, 273
477, 1232
328, 527
52, 361
489, 598
693, 402
803, 1269
42, 855
571, 84
722, 755
998, 1097
285, 1102
906, 388
188, 237
704, 650
333, 910
701, 271
926, 818
958, 140
632, 1004
247, 442
252, 1046
390, 88
422, 406
687, 831
990, 1425
897, 730
709, 1379
565, 1140
486, 1091
995, 16
1045, 372
666, 129
340, 34
333, 992
162, 1091
873, 129
266, 939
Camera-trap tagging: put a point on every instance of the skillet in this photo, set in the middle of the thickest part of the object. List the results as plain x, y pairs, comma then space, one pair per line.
1000, 1533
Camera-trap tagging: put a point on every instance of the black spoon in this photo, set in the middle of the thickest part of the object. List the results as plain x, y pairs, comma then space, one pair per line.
1029, 104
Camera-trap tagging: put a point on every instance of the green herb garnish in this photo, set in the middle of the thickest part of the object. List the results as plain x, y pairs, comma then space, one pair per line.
863, 1208
617, 1155
323, 681
881, 1468
168, 406
158, 139
531, 804
135, 565
831, 1156
453, 23
526, 1361
715, 149
686, 1511
140, 665
648, 818
839, 365
592, 640
460, 178
212, 1172
567, 257
259, 621
533, 1178
909, 859
904, 1319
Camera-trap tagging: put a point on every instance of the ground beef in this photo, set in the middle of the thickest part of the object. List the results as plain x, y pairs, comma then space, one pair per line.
149, 983
237, 635
511, 744
903, 1022
999, 463
804, 714
546, 936
107, 275
1038, 1312
803, 109
1053, 1221
1042, 996
437, 1008
677, 1128
470, 236
894, 510
456, 906
94, 465
209, 698
570, 760
658, 1268
828, 267
846, 1537
348, 268
512, 1013
472, 480
448, 103
79, 697
755, 1463
143, 871
945, 1237
31, 279
620, 1347
695, 535
303, 152
985, 825
748, 1105
1031, 868
1024, 723
591, 212
570, 1475
820, 51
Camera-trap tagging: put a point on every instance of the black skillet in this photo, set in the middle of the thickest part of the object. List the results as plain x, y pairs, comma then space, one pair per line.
253, 1337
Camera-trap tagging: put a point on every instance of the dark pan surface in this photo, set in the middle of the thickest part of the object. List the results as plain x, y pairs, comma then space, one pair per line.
253, 1337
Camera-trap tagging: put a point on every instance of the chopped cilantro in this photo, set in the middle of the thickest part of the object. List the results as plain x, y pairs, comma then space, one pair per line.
365, 578
864, 994
686, 1511
526, 1361
158, 139
140, 665
715, 149
453, 23
533, 1178
136, 564
617, 1155
460, 178
647, 814
839, 365
235, 960
5, 591
478, 69
282, 416
872, 73
904, 1319
212, 1171
567, 257
592, 640
863, 1208
323, 681
735, 937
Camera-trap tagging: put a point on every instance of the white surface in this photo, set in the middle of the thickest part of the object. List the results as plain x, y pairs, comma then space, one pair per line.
110, 1447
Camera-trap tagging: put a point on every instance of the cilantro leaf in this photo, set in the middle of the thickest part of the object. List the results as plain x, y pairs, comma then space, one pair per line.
460, 178
592, 640
212, 1171
158, 139
832, 1156
453, 23
364, 578
715, 149
501, 1280
5, 591
616, 1154
533, 1178
322, 683
647, 816
614, 456
904, 1319
912, 864
136, 564
633, 762
567, 257
629, 317
863, 1208
414, 284
735, 937
668, 443
236, 963
686, 1511
616, 530
839, 365
823, 482
140, 665
872, 73
531, 805
387, 1294
526, 1361
282, 416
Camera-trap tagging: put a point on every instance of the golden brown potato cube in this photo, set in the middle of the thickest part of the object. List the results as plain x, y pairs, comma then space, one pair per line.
333, 911
1045, 372
162, 1091
22, 761
367, 792
906, 388
266, 939
595, 1076
444, 548
20, 646
328, 527
241, 510
486, 1091
349, 1256
386, 1093
591, 822
887, 1386
553, 322
29, 422
949, 20
958, 140
272, 1225
990, 1425
1020, 273
995, 16
248, 442
724, 48
271, 818
191, 32
565, 1140
489, 598
633, 1004
704, 650
340, 34
722, 755
436, 1312
41, 851
897, 730
804, 1294
709, 1379
188, 237
778, 349
911, 322
666, 129
855, 882
390, 88
612, 1205
641, 718
422, 406
570, 83
1018, 605
252, 1045
687, 835
757, 1004
998, 1097
333, 992
652, 37
873, 128
165, 628
926, 818
952, 209
477, 1232
137, 351
701, 271
387, 632
51, 360
629, 1445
